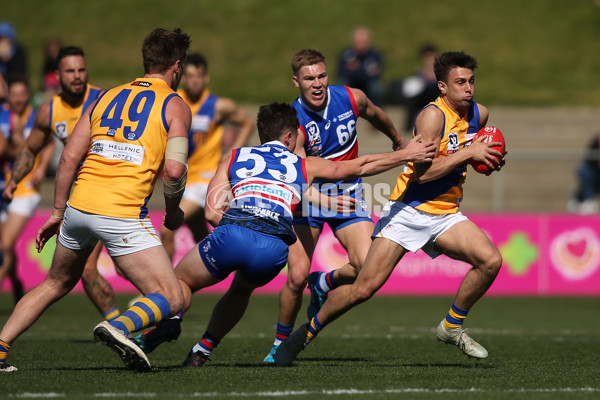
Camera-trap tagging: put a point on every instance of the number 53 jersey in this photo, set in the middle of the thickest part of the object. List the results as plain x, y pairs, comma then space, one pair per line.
267, 183
127, 147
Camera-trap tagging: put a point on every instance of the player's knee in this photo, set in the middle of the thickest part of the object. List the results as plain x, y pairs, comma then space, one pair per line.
297, 280
176, 302
361, 293
355, 267
491, 265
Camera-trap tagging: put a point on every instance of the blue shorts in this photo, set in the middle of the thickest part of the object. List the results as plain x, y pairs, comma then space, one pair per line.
315, 216
334, 223
257, 256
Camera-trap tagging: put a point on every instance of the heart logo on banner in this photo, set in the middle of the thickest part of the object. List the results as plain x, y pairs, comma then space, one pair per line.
576, 254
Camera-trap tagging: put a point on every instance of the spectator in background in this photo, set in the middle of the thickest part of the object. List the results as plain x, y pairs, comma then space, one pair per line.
13, 60
420, 88
361, 65
50, 84
584, 199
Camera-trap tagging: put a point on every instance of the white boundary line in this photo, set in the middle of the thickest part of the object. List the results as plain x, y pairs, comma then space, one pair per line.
336, 392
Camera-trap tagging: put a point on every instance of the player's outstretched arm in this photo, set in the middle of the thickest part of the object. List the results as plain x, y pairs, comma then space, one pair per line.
417, 150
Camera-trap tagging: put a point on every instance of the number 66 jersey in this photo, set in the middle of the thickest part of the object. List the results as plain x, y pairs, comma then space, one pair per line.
267, 182
128, 141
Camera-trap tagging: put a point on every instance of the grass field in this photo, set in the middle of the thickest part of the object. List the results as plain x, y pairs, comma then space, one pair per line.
540, 348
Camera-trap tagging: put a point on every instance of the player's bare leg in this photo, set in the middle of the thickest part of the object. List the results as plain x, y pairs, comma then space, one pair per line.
226, 314
356, 240
382, 258
290, 296
466, 242
97, 288
66, 269
11, 230
299, 260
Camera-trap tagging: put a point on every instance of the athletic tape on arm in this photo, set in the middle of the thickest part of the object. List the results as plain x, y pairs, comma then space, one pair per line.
177, 150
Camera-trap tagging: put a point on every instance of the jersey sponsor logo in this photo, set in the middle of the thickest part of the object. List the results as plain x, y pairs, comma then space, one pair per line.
261, 212
264, 189
60, 130
200, 123
343, 116
118, 151
141, 83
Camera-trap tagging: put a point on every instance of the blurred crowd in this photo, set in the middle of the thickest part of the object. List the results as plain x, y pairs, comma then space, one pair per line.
360, 65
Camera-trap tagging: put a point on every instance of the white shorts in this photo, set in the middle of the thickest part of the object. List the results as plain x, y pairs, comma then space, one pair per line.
196, 193
25, 205
414, 229
120, 236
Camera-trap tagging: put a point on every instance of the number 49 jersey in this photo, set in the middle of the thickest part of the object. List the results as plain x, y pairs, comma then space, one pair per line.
266, 184
128, 141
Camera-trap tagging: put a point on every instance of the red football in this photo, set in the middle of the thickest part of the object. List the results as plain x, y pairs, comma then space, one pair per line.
492, 134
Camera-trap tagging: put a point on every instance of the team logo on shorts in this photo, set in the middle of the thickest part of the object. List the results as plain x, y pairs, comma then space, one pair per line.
131, 237
206, 247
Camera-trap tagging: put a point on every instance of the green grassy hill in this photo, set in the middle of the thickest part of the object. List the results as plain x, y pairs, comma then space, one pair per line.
534, 52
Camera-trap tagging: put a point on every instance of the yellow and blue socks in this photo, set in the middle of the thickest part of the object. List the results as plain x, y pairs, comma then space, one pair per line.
313, 328
455, 317
282, 332
206, 345
326, 282
111, 314
4, 348
146, 311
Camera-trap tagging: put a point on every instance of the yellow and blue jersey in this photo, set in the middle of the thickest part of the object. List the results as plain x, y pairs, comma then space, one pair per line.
128, 140
443, 195
63, 117
204, 139
25, 187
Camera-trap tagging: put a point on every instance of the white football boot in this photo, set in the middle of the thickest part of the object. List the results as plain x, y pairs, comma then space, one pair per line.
459, 338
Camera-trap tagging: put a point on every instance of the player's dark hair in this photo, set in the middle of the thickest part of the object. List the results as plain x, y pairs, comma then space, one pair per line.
17, 78
452, 59
275, 120
427, 48
69, 51
162, 48
197, 60
306, 57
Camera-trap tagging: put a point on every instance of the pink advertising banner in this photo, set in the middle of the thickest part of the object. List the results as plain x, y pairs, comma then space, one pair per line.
544, 254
